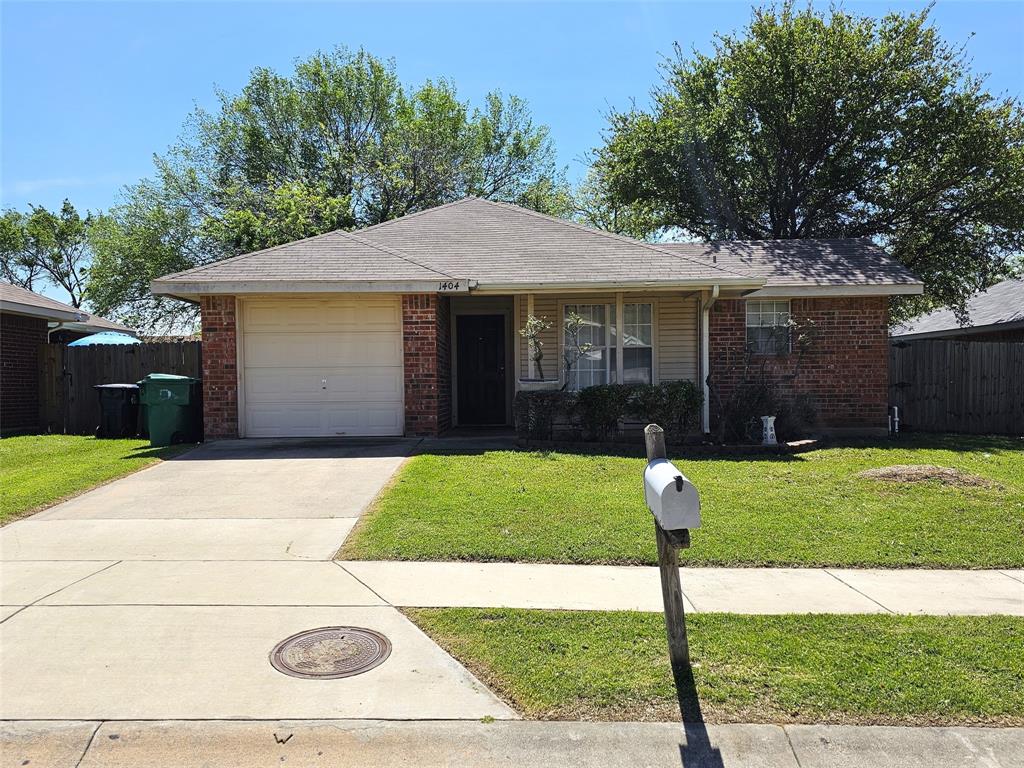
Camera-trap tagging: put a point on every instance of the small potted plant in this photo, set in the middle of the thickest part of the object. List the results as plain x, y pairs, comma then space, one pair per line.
532, 331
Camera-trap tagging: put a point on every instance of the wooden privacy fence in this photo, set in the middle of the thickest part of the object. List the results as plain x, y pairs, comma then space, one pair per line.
67, 375
958, 386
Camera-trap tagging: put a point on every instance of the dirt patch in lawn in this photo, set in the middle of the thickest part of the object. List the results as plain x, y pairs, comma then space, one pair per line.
919, 473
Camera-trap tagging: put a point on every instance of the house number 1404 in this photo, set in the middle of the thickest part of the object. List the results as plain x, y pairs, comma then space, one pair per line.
451, 285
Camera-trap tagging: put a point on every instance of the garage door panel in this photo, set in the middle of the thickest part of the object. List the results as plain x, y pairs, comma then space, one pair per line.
371, 315
370, 385
310, 419
284, 420
307, 350
381, 419
279, 316
272, 385
282, 350
370, 349
266, 385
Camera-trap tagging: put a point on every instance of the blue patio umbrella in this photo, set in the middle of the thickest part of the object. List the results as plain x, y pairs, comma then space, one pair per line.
106, 337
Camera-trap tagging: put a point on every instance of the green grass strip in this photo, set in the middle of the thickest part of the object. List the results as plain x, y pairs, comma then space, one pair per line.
907, 670
39, 470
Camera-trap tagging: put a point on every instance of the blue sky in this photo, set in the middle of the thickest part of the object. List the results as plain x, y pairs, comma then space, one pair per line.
91, 90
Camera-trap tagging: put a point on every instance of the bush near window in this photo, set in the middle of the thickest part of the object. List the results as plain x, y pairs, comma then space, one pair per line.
596, 413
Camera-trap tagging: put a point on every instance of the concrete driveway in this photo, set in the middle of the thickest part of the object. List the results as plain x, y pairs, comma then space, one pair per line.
162, 594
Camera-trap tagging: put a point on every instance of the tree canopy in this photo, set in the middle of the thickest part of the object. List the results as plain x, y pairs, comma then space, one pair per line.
814, 124
338, 143
42, 246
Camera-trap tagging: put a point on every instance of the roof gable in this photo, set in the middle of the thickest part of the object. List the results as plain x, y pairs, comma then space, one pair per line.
500, 243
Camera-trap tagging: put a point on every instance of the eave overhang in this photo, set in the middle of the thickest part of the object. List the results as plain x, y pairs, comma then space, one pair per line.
192, 290
31, 310
837, 290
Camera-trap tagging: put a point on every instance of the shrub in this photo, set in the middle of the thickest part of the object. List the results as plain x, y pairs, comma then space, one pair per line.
795, 417
601, 407
674, 405
794, 414
535, 413
682, 404
741, 415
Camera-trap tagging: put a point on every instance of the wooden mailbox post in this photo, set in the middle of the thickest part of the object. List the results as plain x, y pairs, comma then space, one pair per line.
669, 544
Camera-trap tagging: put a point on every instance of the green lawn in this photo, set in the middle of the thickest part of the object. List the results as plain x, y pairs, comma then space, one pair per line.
830, 669
808, 509
39, 470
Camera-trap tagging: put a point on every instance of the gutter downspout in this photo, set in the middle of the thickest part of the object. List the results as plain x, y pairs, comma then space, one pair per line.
705, 358
57, 327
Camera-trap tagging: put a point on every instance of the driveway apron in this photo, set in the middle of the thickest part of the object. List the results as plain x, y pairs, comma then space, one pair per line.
162, 595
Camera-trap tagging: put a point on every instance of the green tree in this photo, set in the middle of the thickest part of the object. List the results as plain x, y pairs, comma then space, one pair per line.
41, 246
595, 205
831, 125
339, 143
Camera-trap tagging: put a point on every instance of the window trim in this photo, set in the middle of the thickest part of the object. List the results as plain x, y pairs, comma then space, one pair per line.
617, 301
746, 326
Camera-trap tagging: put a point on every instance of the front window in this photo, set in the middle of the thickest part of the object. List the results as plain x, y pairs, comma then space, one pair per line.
638, 344
598, 323
768, 327
600, 328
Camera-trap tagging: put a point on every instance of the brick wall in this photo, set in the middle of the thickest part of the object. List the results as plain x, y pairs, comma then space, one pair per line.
20, 338
426, 324
845, 373
220, 369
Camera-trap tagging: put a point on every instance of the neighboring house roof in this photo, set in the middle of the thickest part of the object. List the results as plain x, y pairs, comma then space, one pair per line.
807, 263
20, 301
99, 324
481, 244
1000, 307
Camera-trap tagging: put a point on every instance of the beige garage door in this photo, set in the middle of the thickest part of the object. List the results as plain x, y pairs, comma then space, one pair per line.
322, 367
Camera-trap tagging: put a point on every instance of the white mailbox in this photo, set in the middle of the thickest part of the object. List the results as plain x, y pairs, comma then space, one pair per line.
670, 496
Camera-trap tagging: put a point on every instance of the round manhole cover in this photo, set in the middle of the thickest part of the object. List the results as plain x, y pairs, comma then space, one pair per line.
330, 652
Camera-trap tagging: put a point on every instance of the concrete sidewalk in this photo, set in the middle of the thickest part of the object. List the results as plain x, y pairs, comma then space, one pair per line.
380, 744
734, 590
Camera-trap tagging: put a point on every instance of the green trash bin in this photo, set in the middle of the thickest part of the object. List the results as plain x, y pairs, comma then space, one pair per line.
173, 407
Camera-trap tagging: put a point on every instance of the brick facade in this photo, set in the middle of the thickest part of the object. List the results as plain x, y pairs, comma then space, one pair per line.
20, 338
426, 334
220, 367
845, 372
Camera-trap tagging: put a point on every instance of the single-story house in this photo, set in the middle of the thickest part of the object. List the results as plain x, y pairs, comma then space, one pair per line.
996, 314
411, 326
28, 319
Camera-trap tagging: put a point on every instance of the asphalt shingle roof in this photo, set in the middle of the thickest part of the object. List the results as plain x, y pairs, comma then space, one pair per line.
13, 295
332, 256
852, 261
1001, 304
503, 245
499, 243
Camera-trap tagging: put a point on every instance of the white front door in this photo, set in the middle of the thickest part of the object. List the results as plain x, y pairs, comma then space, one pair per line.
322, 367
